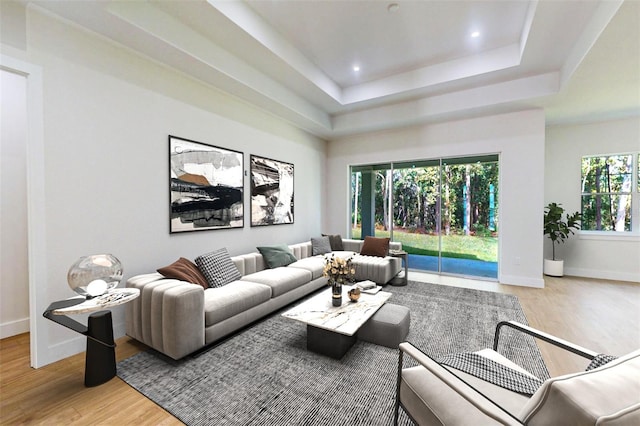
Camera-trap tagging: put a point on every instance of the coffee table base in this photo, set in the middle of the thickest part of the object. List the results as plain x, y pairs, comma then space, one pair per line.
328, 343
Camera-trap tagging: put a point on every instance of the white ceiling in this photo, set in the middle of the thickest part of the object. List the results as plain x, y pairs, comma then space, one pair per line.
580, 60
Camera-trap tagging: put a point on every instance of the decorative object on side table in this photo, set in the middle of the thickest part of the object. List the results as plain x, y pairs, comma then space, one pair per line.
354, 294
558, 230
94, 275
339, 271
94, 278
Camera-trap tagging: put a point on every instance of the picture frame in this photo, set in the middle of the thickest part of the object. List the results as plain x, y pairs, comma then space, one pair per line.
206, 186
272, 191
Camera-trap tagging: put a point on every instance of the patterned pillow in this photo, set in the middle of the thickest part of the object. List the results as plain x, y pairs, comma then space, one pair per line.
320, 246
218, 268
275, 256
373, 246
336, 242
184, 270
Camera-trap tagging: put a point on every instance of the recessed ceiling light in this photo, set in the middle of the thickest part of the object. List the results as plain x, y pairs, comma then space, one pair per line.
475, 34
356, 68
393, 7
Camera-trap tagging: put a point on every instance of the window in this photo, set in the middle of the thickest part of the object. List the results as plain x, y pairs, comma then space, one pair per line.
610, 193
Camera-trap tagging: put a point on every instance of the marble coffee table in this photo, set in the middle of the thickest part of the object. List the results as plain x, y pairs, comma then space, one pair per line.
331, 331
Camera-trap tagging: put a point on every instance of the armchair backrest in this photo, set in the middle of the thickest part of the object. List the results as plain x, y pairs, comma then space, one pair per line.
607, 395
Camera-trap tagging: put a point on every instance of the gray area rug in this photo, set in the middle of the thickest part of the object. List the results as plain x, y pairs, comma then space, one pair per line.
265, 376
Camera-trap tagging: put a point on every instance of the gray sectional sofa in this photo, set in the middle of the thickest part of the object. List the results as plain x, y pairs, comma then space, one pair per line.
177, 317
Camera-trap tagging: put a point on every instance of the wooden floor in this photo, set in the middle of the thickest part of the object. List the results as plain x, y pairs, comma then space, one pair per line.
601, 315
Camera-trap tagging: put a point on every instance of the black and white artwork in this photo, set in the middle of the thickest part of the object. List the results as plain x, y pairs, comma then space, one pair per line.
271, 192
206, 186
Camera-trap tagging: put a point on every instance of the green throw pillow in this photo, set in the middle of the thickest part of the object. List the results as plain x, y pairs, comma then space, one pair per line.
276, 256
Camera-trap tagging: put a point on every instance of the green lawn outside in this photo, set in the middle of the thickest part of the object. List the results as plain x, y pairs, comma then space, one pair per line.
453, 246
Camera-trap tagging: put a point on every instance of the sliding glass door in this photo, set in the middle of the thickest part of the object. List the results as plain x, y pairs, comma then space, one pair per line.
469, 233
444, 211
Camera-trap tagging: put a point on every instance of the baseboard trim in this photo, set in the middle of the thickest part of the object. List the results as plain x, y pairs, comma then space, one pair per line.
603, 275
521, 281
78, 344
13, 328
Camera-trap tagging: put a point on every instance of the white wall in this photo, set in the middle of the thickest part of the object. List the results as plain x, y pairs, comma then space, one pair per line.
14, 275
107, 115
614, 257
517, 137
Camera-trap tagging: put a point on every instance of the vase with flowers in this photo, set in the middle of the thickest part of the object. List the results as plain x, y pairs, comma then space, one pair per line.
339, 271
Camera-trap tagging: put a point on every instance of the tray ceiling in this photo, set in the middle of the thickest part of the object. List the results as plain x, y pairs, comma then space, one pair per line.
418, 61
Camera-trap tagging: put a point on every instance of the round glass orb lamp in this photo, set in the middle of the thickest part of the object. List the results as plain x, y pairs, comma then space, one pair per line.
94, 275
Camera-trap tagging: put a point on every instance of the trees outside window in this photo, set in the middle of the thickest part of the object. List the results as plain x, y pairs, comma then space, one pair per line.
443, 208
608, 192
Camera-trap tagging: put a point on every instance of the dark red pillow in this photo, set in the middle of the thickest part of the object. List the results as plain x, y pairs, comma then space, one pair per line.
184, 270
374, 246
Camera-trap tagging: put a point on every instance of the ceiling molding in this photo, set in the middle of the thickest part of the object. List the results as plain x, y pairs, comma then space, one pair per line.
222, 68
450, 105
537, 48
594, 28
245, 18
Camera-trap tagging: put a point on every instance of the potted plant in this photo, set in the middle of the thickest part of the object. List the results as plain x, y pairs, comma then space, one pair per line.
558, 230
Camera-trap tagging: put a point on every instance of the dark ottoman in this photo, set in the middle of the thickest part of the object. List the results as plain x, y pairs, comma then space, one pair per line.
387, 327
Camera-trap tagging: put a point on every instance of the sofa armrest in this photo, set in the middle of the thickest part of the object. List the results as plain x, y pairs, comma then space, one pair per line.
168, 316
350, 244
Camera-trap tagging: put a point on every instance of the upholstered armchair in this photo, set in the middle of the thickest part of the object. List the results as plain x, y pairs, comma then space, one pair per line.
432, 393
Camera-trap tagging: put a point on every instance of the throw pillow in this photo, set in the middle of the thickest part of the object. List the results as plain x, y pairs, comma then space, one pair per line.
276, 256
374, 246
184, 270
218, 268
336, 242
320, 246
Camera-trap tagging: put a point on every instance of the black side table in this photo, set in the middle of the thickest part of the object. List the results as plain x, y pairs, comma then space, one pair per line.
100, 358
401, 280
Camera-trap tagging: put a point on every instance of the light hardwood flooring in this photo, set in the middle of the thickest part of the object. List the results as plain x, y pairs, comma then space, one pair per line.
600, 315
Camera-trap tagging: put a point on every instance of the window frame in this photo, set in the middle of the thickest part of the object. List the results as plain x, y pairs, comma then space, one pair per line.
634, 232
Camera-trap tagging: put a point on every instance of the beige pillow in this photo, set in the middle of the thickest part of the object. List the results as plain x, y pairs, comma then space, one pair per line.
607, 393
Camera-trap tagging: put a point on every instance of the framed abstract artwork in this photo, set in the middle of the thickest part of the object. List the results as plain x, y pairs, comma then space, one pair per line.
206, 186
271, 192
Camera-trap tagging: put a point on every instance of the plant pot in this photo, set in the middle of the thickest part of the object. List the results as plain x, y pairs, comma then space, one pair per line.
554, 268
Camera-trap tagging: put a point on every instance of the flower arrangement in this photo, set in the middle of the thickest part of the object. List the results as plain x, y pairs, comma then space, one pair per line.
338, 270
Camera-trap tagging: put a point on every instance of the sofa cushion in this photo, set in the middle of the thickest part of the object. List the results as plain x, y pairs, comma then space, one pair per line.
374, 246
184, 270
281, 280
606, 393
320, 245
335, 241
224, 302
218, 268
314, 264
276, 256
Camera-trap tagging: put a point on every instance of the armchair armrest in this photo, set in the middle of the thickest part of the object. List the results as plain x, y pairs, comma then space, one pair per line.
471, 405
556, 341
